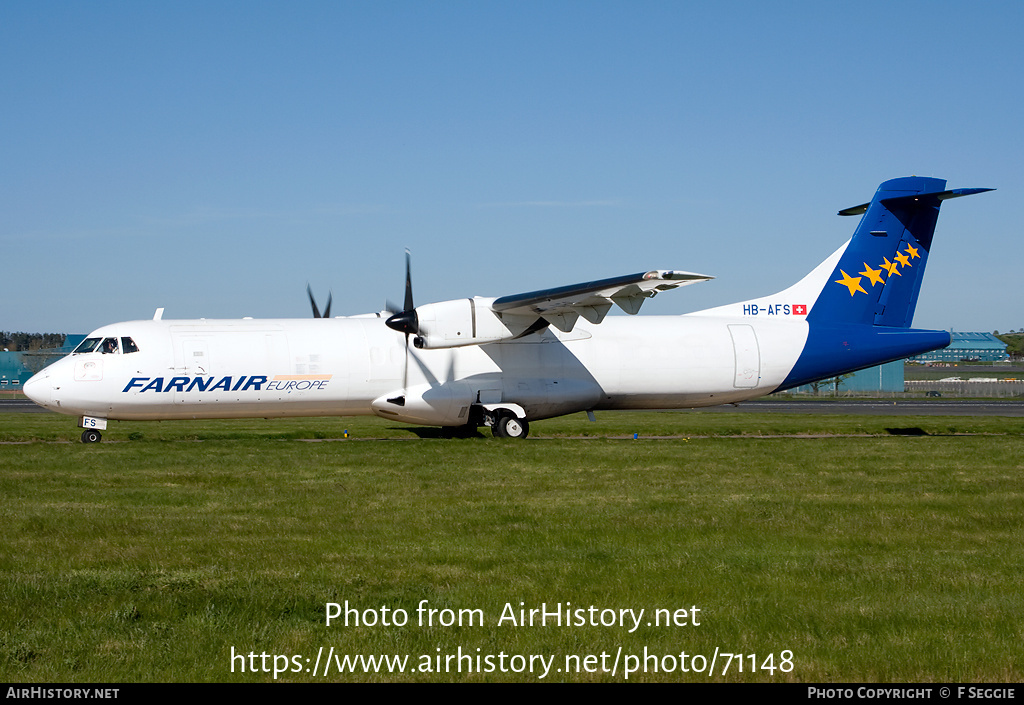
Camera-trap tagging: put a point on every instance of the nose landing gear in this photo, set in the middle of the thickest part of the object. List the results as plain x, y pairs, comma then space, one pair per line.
92, 425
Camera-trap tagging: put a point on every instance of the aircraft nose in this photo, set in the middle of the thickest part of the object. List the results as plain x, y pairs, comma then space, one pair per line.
39, 389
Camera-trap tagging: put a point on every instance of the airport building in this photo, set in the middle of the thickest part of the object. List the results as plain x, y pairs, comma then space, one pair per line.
884, 378
968, 347
18, 366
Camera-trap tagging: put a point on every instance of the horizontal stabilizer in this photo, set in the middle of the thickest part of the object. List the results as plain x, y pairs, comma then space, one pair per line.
938, 196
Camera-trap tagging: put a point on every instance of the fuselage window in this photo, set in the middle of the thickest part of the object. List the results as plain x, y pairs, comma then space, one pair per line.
87, 345
128, 346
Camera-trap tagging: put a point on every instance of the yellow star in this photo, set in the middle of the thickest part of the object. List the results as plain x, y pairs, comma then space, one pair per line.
851, 283
890, 267
912, 251
875, 275
904, 260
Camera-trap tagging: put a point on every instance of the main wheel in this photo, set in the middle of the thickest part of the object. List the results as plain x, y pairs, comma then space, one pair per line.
91, 436
510, 426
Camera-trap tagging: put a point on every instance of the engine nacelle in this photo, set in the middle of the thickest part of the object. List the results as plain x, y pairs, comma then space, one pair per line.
452, 324
440, 405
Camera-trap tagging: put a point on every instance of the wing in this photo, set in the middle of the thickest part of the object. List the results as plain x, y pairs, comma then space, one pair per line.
563, 305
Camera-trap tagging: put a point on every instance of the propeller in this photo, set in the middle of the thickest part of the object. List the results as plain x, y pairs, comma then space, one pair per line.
312, 302
405, 321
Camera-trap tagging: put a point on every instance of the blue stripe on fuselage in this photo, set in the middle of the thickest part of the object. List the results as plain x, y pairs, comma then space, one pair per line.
836, 350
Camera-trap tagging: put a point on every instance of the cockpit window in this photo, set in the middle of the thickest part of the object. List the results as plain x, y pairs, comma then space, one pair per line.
106, 346
87, 345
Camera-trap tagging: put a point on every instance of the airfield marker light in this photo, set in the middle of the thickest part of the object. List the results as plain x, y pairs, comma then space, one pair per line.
345, 433
635, 436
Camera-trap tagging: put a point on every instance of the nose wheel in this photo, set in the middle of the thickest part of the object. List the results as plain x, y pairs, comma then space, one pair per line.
91, 436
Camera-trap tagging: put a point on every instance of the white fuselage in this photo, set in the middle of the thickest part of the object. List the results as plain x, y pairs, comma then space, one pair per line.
349, 366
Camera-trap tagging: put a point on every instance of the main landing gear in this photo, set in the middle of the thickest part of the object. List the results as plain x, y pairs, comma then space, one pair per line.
508, 425
505, 422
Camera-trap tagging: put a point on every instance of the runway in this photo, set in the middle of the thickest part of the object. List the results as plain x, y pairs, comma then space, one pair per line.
869, 407
21, 406
880, 407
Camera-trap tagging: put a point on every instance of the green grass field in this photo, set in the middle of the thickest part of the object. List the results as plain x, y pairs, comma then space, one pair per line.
820, 548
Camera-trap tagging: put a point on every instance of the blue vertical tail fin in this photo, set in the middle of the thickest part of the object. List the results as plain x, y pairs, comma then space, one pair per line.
878, 277
866, 292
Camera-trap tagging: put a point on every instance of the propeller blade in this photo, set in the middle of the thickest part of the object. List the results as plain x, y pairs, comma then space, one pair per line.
405, 321
312, 302
327, 311
409, 306
405, 373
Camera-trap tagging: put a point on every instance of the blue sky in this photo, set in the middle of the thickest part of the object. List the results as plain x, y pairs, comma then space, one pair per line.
214, 157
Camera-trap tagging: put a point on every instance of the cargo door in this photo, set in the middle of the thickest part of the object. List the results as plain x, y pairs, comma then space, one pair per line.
747, 355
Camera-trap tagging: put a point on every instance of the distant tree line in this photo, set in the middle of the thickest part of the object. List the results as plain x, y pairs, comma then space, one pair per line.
23, 342
1014, 343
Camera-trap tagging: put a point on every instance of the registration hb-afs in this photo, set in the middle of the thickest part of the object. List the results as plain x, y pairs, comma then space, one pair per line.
507, 361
